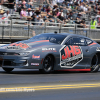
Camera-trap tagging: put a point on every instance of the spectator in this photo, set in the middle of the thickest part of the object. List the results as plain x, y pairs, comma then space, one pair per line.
34, 19
59, 2
61, 17
93, 23
71, 15
98, 17
37, 11
51, 17
1, 16
1, 2
78, 22
92, 1
29, 18
40, 7
7, 15
40, 20
48, 9
43, 9
24, 5
55, 7
29, 12
23, 14
30, 4
57, 12
62, 14
11, 6
83, 24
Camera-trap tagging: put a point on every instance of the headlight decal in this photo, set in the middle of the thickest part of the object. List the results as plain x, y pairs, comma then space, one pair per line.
23, 53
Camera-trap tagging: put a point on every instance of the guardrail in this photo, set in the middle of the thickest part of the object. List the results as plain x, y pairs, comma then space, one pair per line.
24, 29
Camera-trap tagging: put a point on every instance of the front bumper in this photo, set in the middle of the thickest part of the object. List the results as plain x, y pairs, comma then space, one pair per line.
14, 62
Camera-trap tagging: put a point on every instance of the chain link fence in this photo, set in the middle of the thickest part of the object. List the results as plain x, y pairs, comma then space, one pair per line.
21, 31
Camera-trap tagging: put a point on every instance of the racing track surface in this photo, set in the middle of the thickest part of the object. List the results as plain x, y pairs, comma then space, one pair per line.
23, 84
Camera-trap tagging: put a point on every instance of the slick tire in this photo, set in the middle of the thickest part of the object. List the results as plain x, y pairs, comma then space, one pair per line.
47, 65
94, 64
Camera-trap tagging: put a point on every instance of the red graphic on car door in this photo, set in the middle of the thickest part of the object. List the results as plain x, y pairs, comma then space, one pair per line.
70, 55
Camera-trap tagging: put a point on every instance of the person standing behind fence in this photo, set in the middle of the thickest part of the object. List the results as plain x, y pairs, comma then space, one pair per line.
11, 6
1, 2
7, 15
93, 23
1, 16
40, 20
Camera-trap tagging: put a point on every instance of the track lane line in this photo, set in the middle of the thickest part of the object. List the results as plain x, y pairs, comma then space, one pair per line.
48, 87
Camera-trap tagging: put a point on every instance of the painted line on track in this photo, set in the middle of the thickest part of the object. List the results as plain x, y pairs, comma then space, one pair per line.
48, 87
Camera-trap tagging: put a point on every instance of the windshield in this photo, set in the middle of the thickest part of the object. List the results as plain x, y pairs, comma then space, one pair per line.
54, 38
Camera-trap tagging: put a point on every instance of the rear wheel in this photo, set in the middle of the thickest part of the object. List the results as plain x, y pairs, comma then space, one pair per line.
8, 69
94, 64
47, 65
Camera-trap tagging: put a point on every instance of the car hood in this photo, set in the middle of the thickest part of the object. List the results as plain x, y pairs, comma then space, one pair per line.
27, 44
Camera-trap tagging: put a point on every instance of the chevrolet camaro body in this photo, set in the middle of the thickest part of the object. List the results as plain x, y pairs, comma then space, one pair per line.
52, 51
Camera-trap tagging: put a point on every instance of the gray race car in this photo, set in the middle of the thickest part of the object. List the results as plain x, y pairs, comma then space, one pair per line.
50, 51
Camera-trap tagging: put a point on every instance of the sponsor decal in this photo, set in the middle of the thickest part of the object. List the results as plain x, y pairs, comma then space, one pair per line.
49, 50
13, 47
21, 45
35, 64
70, 56
98, 49
35, 57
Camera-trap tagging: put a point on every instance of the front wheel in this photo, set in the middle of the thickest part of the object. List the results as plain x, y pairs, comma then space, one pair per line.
8, 69
47, 65
94, 64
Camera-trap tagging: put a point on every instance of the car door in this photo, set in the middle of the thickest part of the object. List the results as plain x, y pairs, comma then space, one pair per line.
75, 53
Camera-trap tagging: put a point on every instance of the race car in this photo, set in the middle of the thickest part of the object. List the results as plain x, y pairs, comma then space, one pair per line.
50, 52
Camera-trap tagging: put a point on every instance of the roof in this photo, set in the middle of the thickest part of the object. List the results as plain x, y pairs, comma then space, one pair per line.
67, 34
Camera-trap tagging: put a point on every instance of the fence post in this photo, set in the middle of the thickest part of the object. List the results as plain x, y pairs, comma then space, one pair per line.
45, 27
11, 29
75, 28
86, 33
60, 27
90, 31
2, 33
28, 28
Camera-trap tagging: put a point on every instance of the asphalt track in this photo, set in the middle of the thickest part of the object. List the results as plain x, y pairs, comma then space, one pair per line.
23, 84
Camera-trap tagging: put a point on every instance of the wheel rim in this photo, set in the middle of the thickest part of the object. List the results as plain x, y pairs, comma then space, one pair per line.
47, 63
94, 62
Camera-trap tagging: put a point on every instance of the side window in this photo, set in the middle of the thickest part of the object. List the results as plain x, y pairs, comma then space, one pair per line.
69, 42
79, 41
76, 41
82, 42
88, 41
